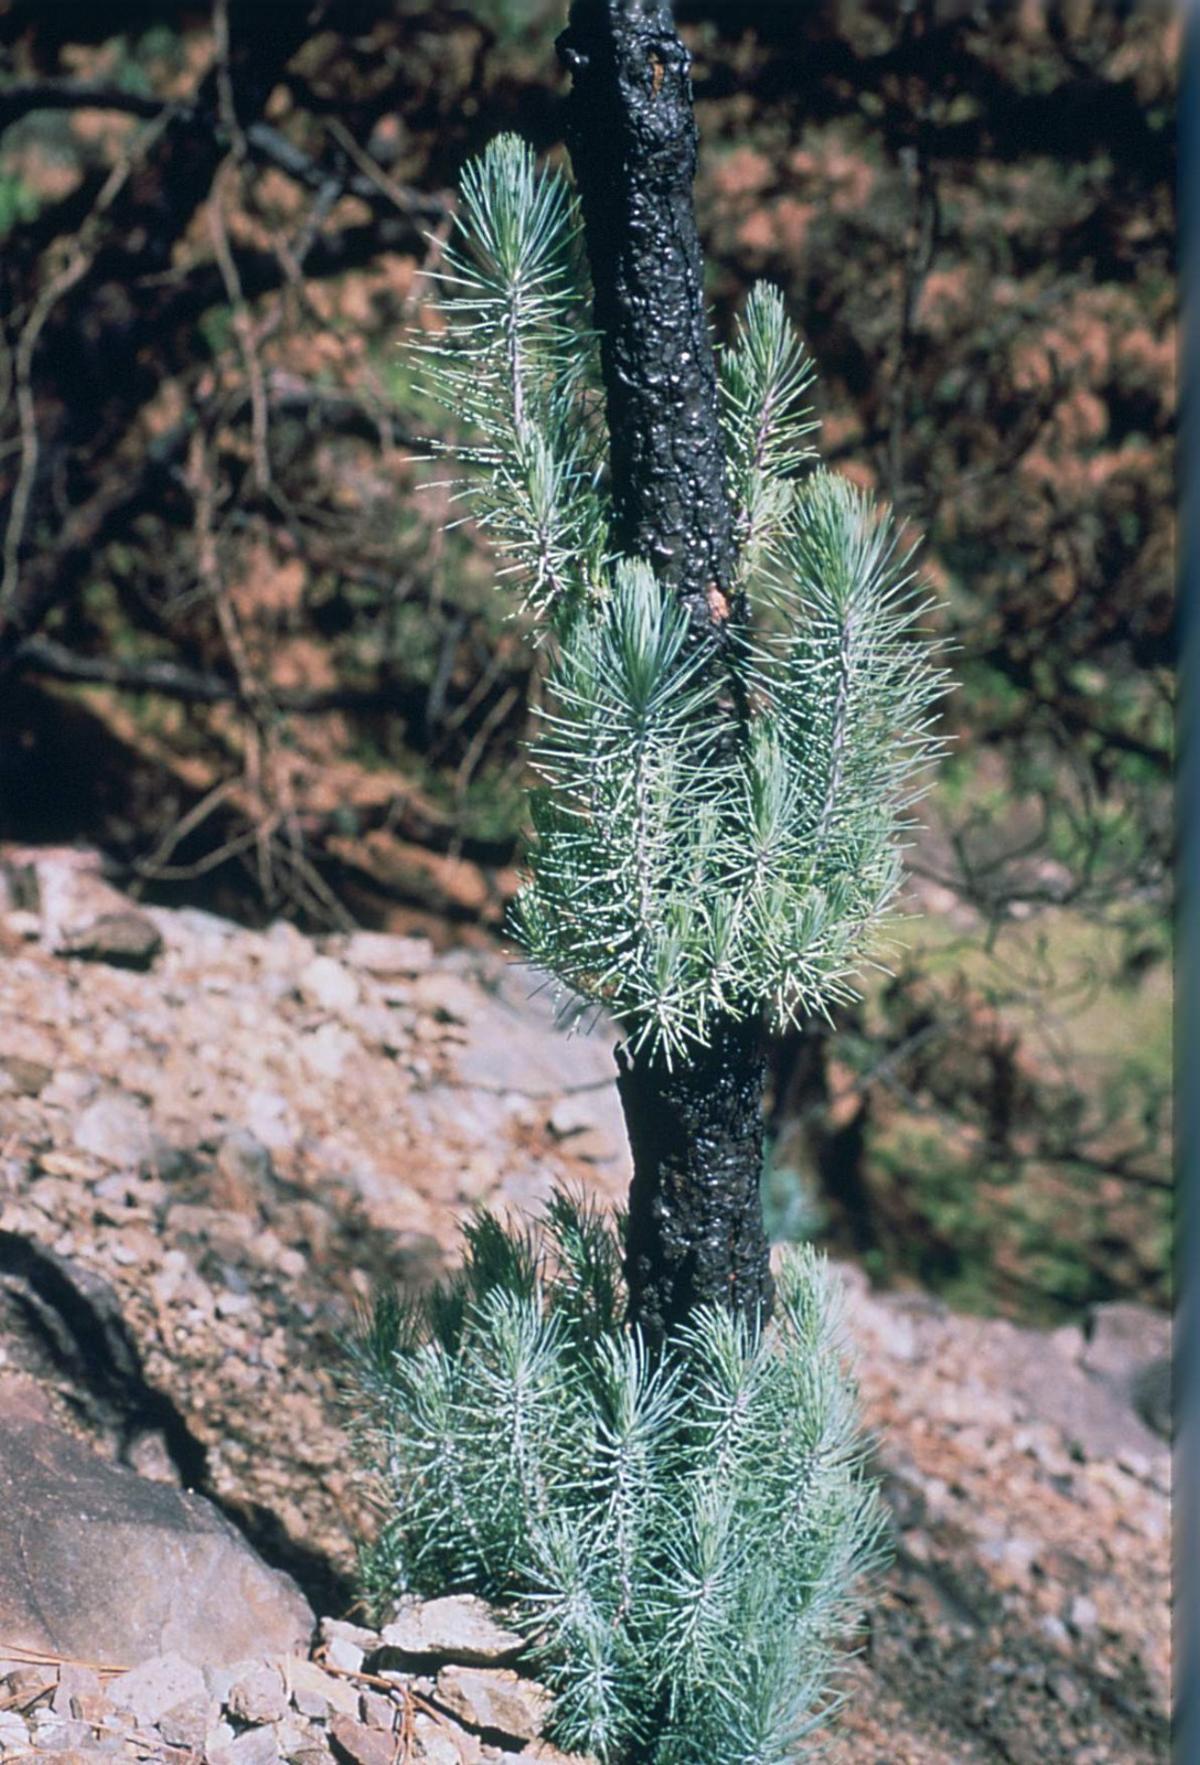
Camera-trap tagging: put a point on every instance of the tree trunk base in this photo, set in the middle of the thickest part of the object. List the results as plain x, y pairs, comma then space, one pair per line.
696, 1233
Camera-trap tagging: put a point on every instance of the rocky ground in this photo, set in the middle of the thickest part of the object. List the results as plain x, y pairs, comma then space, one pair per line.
213, 1142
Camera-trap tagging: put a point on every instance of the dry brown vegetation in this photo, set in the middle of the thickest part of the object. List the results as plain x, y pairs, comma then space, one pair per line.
240, 653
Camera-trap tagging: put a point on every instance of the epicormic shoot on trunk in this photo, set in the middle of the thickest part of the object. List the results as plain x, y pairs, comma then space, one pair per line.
670, 880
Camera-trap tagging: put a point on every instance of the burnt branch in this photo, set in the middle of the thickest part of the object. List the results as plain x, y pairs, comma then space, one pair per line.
25, 96
174, 680
121, 284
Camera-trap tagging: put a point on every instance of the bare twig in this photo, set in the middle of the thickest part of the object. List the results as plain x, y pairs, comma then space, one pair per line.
370, 168
16, 1651
172, 680
243, 323
200, 811
495, 717
79, 260
226, 107
267, 143
18, 99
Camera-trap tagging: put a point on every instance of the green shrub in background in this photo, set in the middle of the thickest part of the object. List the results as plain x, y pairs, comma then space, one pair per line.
676, 1535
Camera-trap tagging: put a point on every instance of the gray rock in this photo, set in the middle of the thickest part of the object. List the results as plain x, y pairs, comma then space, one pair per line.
79, 1693
217, 1743
26, 1685
340, 1652
329, 985
361, 1745
257, 1695
26, 1077
256, 1747
315, 1692
382, 953
70, 891
572, 1115
1094, 1417
434, 1743
495, 1700
315, 1751
244, 1161
117, 1130
125, 939
89, 1550
1128, 1349
456, 1628
13, 1732
347, 1645
187, 1724
58, 1734
219, 1680
1153, 1397
271, 1119
514, 1042
295, 1739
157, 1685
333, 1629
377, 1710
1122, 1338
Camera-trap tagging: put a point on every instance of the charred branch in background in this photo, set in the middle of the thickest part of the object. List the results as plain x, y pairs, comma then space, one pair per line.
102, 318
172, 680
23, 96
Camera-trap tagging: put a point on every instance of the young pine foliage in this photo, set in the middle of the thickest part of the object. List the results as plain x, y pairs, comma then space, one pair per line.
671, 879
677, 1532
675, 1537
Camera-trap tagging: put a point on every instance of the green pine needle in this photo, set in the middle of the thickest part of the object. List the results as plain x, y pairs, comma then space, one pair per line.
668, 882
678, 1538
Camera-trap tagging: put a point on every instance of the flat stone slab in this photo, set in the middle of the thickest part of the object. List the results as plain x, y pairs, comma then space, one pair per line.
457, 1627
126, 939
98, 1564
494, 1700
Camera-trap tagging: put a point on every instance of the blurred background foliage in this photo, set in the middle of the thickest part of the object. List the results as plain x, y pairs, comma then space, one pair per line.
239, 651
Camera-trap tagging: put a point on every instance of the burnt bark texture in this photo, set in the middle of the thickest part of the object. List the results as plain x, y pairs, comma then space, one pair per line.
632, 137
695, 1233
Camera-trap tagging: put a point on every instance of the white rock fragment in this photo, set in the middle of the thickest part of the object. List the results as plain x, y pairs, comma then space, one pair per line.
326, 1052
257, 1695
270, 1118
156, 1686
456, 1628
115, 1129
494, 1699
347, 1646
326, 983
315, 1692
13, 1733
383, 953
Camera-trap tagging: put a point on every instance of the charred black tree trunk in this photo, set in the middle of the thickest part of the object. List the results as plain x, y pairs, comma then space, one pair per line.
695, 1217
695, 1230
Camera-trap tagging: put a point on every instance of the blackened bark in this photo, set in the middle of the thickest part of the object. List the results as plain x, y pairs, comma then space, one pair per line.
633, 147
695, 1233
